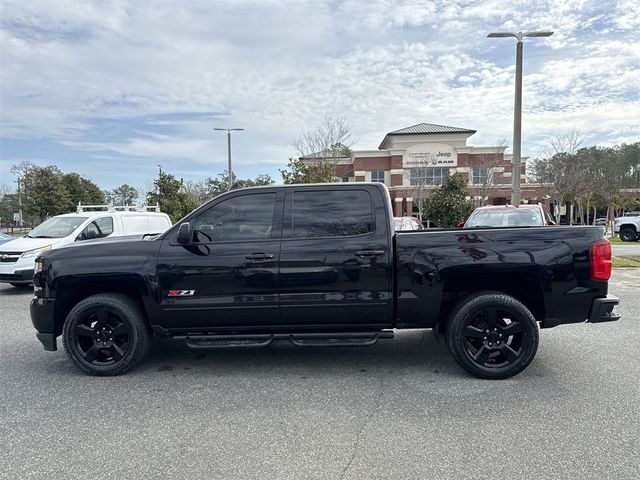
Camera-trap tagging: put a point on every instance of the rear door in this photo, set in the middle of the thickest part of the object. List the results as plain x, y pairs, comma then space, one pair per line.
335, 258
227, 277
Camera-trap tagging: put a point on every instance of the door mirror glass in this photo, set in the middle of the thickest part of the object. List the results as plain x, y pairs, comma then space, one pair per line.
184, 233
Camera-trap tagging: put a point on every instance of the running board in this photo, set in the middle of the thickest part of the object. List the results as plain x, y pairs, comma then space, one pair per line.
329, 339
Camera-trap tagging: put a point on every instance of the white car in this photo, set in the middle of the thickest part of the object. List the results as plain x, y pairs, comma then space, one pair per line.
17, 256
627, 227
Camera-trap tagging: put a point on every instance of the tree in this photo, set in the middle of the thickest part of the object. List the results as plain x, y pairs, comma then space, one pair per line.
123, 195
299, 171
169, 194
44, 193
318, 152
449, 204
220, 184
8, 206
81, 190
330, 140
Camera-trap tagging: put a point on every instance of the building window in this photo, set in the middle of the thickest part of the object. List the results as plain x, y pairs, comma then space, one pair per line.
377, 176
479, 176
345, 178
428, 176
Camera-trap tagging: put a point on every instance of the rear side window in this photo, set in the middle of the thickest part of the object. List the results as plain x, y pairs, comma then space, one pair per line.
331, 213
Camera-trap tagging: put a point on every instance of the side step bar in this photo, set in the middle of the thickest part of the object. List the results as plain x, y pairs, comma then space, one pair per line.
330, 339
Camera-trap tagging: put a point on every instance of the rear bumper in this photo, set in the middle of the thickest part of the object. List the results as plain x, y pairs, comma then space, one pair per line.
602, 310
41, 310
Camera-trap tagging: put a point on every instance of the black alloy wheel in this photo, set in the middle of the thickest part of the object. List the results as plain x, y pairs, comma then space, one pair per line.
106, 334
492, 335
628, 235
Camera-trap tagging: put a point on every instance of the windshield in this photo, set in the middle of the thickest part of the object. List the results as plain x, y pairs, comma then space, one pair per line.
56, 227
506, 217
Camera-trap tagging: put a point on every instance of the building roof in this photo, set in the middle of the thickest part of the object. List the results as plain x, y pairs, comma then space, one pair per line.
425, 128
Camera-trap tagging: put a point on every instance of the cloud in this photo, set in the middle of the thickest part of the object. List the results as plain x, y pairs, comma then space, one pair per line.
144, 81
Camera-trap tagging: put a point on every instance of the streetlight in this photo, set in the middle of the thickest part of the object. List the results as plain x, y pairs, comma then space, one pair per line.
517, 113
229, 130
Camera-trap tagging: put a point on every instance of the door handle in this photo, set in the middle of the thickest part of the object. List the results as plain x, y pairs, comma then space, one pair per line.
369, 253
259, 256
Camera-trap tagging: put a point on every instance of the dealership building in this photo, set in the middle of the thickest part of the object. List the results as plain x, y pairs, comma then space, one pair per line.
413, 160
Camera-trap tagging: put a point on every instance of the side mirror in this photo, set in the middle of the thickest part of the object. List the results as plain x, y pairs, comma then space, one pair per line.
184, 233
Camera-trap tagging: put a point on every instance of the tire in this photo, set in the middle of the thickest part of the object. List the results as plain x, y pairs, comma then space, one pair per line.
106, 334
628, 235
492, 335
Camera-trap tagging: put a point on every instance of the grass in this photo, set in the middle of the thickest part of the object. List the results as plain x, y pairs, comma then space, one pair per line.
626, 261
615, 240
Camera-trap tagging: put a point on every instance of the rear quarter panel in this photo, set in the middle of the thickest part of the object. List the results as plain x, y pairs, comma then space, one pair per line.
556, 258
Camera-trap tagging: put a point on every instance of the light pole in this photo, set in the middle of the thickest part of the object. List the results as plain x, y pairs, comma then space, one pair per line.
229, 130
517, 109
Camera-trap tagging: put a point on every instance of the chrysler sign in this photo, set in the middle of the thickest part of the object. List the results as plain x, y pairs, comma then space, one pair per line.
430, 155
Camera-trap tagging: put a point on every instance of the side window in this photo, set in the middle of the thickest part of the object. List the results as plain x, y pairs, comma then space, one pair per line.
336, 213
104, 226
241, 218
101, 227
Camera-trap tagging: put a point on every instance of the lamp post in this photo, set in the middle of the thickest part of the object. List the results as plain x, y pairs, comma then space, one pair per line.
229, 130
517, 110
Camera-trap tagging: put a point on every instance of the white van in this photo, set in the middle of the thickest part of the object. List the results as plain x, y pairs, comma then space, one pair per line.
17, 256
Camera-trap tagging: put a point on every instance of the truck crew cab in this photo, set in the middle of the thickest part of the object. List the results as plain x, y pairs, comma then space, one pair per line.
319, 265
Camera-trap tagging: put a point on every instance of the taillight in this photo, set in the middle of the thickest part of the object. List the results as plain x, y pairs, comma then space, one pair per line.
601, 260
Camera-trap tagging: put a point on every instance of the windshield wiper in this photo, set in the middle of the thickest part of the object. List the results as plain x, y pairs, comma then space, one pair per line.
42, 236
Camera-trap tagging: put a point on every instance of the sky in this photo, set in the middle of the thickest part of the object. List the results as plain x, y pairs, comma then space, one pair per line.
112, 89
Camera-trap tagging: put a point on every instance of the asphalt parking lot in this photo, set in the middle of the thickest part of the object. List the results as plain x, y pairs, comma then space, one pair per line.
400, 409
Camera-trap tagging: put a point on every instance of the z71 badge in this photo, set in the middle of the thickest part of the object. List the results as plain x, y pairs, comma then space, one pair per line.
181, 293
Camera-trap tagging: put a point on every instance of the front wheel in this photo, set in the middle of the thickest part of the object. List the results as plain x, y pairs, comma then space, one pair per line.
106, 334
492, 335
628, 235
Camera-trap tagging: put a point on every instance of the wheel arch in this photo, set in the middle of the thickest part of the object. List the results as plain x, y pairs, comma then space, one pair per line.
74, 291
526, 287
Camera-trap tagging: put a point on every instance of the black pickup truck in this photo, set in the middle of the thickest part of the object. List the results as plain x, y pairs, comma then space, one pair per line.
319, 265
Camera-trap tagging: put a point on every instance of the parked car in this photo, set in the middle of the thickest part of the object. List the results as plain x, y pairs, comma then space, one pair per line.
407, 223
17, 257
601, 221
527, 215
269, 270
4, 238
627, 226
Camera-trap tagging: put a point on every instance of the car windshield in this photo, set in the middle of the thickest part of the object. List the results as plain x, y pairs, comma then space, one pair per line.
506, 217
56, 227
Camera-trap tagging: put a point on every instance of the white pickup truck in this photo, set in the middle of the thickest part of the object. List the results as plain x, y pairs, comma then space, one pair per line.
627, 226
17, 256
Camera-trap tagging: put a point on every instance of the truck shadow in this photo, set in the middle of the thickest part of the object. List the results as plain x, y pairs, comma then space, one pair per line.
10, 290
420, 349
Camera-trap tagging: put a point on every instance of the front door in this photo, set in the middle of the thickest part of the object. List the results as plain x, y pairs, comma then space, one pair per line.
227, 277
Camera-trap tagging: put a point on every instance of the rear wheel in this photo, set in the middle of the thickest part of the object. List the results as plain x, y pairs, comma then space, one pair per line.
628, 235
106, 334
492, 335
